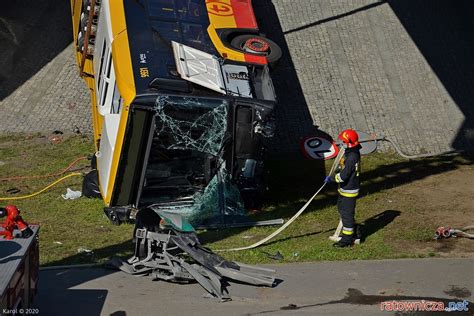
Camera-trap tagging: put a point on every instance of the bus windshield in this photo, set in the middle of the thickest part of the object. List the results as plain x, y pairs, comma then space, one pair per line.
185, 164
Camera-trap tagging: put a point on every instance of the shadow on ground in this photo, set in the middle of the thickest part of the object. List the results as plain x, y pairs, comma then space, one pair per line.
375, 223
32, 33
52, 295
368, 227
85, 302
292, 182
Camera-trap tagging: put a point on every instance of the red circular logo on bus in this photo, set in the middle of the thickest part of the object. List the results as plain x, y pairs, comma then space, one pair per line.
219, 8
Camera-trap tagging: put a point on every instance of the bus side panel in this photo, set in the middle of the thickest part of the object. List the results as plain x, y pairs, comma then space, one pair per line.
132, 158
122, 65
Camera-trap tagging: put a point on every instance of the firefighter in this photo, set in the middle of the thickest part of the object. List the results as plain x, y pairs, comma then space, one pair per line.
349, 183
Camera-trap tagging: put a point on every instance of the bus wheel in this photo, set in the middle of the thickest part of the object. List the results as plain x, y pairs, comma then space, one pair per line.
258, 45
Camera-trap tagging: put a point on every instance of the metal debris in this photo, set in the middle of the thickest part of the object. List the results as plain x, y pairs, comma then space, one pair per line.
176, 255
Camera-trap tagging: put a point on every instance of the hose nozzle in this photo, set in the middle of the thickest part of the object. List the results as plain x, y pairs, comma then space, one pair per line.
443, 232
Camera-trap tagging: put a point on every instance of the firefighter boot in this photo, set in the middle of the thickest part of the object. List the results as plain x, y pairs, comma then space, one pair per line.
346, 241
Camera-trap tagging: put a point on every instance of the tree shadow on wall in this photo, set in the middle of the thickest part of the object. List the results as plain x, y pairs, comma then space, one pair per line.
32, 33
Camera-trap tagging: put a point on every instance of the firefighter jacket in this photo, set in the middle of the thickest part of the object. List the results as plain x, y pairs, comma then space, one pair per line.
348, 177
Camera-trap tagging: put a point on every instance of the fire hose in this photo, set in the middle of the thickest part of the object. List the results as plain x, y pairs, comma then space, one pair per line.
68, 168
42, 190
279, 230
399, 151
72, 164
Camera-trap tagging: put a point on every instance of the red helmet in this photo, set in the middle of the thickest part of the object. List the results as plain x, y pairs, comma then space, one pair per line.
349, 137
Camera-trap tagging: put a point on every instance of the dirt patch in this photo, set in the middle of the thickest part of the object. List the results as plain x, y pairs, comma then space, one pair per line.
443, 199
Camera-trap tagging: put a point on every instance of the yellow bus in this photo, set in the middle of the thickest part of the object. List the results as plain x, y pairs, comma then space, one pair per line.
182, 101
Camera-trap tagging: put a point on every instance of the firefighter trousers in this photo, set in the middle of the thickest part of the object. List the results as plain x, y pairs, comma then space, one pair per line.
346, 207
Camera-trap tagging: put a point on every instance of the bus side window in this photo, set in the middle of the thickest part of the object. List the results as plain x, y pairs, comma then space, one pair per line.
106, 103
99, 74
116, 101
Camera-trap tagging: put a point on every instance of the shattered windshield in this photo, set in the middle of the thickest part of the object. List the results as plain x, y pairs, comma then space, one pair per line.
191, 123
186, 171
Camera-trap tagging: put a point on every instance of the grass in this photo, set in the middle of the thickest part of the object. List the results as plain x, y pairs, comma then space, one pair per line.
68, 225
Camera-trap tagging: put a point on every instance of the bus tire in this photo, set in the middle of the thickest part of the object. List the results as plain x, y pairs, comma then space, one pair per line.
257, 45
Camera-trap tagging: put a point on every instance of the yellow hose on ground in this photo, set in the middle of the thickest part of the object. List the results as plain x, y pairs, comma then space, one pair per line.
42, 190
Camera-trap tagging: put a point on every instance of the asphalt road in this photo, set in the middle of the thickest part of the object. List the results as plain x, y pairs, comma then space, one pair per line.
337, 288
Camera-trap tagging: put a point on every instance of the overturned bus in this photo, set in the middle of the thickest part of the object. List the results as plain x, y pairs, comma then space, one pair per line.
182, 102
